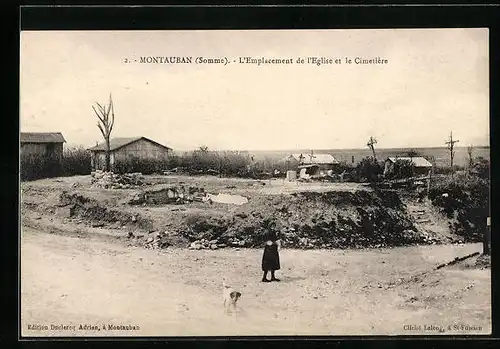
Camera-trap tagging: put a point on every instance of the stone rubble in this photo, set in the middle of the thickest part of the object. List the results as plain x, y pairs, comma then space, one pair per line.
158, 241
110, 180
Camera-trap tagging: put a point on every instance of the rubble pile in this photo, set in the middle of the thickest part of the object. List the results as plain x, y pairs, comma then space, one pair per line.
110, 180
205, 244
169, 195
158, 241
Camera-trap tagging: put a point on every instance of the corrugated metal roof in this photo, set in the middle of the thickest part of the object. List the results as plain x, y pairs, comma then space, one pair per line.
42, 137
315, 159
116, 143
418, 161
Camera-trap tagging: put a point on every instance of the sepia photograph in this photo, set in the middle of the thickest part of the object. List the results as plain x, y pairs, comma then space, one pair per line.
331, 182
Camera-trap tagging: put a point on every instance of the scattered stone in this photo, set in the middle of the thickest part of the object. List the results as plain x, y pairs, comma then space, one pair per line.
97, 224
196, 245
214, 247
110, 180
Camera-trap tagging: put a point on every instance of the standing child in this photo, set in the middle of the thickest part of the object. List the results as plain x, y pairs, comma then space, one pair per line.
271, 258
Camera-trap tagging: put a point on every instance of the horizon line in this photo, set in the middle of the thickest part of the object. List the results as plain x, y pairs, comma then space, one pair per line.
308, 149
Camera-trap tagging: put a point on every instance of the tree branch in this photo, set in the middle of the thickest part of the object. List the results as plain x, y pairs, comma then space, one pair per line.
102, 131
101, 108
98, 116
112, 113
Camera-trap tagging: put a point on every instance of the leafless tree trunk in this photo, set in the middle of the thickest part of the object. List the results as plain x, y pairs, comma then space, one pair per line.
371, 144
451, 146
470, 149
203, 149
105, 125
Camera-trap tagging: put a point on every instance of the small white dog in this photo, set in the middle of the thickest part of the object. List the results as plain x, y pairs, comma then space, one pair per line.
230, 296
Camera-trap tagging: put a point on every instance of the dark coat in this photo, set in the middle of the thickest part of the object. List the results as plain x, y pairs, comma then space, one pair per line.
271, 258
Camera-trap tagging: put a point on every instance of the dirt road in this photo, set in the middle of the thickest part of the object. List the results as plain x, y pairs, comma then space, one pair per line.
72, 281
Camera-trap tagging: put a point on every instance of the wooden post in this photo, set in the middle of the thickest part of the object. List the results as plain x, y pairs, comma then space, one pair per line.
451, 145
487, 237
429, 183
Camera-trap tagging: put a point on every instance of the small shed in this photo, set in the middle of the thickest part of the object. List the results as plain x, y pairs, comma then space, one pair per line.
42, 143
421, 166
125, 148
323, 162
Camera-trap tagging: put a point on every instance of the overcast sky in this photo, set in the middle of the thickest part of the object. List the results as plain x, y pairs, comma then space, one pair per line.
435, 81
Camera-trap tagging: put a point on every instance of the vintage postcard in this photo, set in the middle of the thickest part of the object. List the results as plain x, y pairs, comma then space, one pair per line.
255, 183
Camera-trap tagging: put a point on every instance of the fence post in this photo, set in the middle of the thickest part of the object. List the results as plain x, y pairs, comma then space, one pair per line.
487, 237
429, 183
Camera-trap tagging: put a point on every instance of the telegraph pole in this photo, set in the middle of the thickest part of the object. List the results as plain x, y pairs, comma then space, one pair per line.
450, 145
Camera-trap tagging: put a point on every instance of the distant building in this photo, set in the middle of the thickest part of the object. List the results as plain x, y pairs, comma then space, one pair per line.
420, 165
322, 160
311, 164
42, 143
127, 148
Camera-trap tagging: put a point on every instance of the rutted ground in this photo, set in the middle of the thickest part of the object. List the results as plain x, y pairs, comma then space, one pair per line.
84, 261
72, 281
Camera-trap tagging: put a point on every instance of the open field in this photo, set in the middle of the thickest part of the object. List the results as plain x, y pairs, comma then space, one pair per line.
441, 155
81, 266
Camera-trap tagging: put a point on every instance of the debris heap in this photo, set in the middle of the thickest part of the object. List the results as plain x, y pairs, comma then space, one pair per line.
157, 241
204, 244
110, 180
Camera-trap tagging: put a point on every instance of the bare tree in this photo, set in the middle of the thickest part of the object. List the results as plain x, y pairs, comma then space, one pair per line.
105, 124
470, 150
371, 144
451, 144
203, 149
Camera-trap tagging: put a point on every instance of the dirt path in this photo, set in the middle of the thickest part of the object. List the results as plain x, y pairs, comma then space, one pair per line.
72, 281
430, 222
